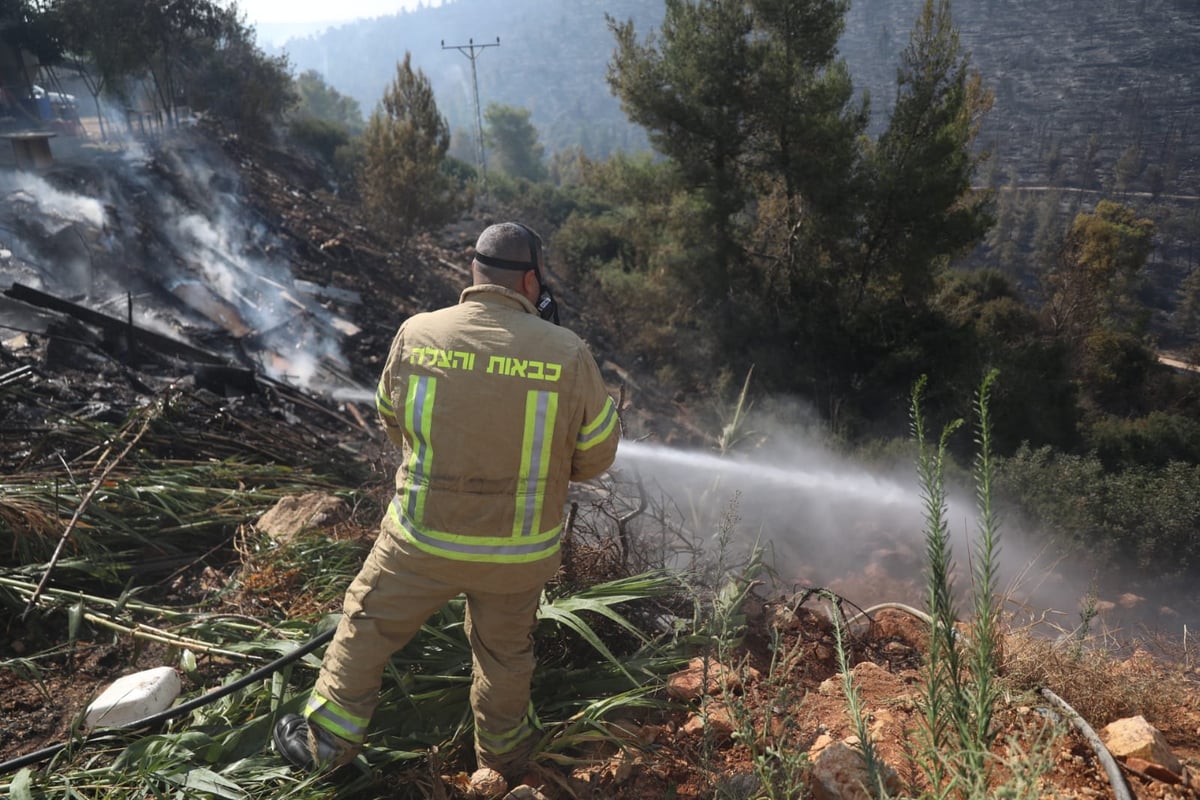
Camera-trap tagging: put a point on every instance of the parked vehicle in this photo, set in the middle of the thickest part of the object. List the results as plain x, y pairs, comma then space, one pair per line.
57, 99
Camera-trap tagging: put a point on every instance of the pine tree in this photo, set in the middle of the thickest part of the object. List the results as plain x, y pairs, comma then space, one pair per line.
817, 249
320, 100
514, 142
403, 185
690, 88
922, 208
807, 126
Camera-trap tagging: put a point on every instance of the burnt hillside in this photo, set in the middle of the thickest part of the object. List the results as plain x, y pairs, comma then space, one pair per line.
1078, 84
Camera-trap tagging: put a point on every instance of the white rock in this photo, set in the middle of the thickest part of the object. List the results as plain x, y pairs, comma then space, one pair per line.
134, 697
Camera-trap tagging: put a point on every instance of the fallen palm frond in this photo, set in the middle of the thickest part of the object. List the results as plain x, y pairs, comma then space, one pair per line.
218, 750
601, 600
181, 469
148, 418
429, 679
77, 430
571, 741
229, 636
307, 576
166, 513
193, 483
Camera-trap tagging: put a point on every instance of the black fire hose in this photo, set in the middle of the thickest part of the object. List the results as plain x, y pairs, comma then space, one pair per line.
1115, 779
162, 716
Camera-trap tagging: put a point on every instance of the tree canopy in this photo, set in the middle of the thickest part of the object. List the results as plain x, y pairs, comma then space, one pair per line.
514, 142
403, 183
319, 100
161, 55
806, 247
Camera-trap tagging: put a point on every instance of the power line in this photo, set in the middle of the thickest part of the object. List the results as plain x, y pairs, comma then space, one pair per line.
469, 50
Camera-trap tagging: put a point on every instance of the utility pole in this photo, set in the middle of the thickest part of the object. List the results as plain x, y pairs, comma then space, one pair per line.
469, 50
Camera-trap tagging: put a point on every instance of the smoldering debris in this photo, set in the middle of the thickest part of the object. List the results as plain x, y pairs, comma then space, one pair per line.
206, 240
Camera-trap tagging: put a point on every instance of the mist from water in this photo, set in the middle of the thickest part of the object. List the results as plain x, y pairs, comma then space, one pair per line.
822, 521
860, 486
827, 521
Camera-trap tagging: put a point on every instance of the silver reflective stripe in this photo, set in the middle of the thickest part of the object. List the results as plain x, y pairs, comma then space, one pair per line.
323, 712
383, 403
502, 743
598, 429
499, 745
418, 420
541, 409
458, 545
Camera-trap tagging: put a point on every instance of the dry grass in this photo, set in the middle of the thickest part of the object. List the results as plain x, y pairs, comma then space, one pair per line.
1097, 681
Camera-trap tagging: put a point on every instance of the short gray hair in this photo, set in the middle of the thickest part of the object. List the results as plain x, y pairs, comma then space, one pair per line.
506, 240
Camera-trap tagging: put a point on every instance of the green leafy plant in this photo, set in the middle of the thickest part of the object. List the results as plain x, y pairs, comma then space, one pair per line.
961, 675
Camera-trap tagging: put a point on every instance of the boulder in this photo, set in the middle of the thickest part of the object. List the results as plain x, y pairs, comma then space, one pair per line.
1134, 737
298, 513
703, 676
840, 773
715, 719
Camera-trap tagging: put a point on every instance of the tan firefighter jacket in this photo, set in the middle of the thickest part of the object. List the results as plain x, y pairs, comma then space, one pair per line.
496, 410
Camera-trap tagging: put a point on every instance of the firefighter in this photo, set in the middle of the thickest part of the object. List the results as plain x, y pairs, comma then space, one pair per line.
496, 409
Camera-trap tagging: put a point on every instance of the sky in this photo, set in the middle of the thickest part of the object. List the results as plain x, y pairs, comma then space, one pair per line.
276, 21
278, 12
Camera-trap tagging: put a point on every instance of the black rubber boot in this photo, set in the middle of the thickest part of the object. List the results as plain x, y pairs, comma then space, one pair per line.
309, 747
291, 740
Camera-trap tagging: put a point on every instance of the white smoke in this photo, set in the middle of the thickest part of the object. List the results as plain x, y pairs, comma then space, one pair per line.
167, 227
56, 208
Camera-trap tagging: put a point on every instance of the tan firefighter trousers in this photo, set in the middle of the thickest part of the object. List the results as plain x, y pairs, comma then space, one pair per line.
398, 588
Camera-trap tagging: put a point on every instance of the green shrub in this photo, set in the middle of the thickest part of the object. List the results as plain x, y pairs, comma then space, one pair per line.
1143, 518
1153, 440
1113, 367
541, 203
320, 136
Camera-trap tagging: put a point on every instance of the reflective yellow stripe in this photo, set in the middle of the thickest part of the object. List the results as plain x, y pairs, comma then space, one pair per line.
324, 713
541, 410
598, 429
418, 422
463, 547
499, 744
383, 403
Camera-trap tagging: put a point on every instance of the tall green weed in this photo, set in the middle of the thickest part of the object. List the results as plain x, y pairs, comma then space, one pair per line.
961, 687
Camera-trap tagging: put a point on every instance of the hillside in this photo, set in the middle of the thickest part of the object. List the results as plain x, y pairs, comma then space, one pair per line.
1092, 102
1078, 84
242, 259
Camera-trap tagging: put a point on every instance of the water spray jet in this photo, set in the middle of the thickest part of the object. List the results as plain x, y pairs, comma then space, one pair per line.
861, 486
